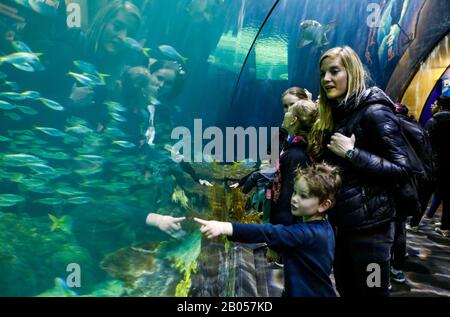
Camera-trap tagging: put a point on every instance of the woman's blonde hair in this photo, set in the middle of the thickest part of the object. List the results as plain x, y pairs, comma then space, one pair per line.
356, 84
104, 16
307, 112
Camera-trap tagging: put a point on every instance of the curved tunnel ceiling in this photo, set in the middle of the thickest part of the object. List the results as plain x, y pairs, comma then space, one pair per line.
275, 63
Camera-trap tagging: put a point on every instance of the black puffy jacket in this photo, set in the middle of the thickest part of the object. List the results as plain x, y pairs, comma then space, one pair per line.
293, 156
438, 128
380, 160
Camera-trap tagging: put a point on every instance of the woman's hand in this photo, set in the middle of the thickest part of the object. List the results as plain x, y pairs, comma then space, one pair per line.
340, 144
168, 224
212, 229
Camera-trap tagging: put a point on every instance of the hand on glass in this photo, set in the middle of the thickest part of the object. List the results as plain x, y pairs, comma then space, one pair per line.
168, 224
340, 144
212, 229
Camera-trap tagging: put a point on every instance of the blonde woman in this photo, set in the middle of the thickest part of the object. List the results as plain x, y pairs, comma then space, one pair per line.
358, 131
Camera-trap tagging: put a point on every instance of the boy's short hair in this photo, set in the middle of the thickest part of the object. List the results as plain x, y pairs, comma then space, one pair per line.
323, 180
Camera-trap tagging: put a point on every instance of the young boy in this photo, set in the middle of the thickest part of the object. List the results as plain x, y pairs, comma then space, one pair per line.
308, 247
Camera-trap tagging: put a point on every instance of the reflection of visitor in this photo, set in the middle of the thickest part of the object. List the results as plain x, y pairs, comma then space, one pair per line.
168, 224
167, 79
103, 46
136, 94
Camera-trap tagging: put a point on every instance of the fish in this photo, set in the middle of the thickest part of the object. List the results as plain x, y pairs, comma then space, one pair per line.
69, 191
172, 53
118, 117
91, 158
69, 139
41, 190
114, 132
23, 158
88, 79
4, 105
51, 131
86, 67
135, 45
42, 168
27, 110
4, 139
89, 171
76, 121
51, 104
79, 129
21, 47
284, 76
50, 201
79, 200
15, 96
125, 144
30, 94
311, 31
25, 61
116, 186
115, 106
25, 67
7, 200
12, 85
32, 182
13, 116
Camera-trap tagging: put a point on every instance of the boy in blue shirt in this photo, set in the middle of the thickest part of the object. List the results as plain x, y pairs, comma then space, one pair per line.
308, 247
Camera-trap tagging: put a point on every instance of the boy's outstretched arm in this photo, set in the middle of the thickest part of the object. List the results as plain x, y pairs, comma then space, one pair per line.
212, 229
276, 236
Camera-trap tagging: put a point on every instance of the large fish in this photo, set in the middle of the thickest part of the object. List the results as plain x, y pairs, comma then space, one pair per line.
312, 31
